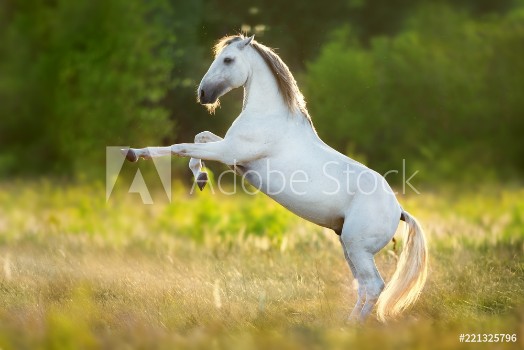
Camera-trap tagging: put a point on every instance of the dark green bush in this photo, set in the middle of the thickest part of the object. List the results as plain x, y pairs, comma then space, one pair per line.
77, 76
445, 94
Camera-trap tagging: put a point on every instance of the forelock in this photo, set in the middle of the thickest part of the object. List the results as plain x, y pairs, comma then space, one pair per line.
225, 41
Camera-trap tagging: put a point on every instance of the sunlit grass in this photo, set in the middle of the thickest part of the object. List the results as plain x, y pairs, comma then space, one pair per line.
239, 272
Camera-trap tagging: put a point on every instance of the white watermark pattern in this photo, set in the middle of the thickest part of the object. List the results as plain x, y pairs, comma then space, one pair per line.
114, 162
272, 181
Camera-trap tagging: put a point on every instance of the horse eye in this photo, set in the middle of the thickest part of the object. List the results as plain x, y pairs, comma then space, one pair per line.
228, 60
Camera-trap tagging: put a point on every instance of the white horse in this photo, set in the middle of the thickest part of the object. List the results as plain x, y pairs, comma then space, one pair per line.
274, 135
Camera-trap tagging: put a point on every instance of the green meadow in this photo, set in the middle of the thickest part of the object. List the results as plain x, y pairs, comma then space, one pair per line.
210, 271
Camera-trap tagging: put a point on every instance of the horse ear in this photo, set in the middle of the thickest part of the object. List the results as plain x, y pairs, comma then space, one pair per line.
246, 41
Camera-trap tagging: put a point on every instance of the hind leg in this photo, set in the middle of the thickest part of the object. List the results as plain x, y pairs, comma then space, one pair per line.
372, 281
368, 227
361, 243
355, 313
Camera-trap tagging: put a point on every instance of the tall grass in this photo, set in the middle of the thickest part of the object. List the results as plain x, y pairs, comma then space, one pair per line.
239, 272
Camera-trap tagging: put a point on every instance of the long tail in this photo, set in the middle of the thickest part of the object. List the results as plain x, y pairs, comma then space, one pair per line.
410, 276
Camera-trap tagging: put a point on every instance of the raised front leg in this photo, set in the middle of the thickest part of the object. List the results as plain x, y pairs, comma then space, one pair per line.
134, 154
230, 151
195, 164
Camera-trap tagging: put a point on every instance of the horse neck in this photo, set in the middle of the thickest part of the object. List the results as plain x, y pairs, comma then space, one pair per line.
261, 92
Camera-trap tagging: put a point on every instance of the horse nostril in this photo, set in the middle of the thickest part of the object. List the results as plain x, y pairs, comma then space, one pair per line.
202, 94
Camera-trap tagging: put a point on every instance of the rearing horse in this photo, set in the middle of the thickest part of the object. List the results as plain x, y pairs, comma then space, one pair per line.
274, 133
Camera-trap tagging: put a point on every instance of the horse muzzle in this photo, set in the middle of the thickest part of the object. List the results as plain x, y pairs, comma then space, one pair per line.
206, 97
208, 94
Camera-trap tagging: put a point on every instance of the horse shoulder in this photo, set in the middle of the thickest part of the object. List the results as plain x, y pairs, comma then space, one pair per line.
257, 131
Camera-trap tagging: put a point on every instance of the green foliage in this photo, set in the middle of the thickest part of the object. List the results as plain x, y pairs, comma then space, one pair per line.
124, 219
443, 94
438, 83
78, 76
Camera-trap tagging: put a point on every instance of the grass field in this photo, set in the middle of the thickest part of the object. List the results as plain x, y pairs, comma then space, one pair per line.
239, 272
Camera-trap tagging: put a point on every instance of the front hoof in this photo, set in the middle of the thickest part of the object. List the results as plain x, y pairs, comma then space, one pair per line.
131, 155
202, 180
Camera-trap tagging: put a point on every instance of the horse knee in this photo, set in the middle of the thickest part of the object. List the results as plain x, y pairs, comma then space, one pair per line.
202, 137
195, 164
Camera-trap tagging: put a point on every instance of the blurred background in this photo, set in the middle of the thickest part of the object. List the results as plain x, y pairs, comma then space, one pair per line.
439, 83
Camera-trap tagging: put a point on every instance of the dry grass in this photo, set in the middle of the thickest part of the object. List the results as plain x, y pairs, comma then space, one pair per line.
240, 273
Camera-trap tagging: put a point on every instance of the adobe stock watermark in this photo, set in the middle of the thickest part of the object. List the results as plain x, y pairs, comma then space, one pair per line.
333, 178
115, 161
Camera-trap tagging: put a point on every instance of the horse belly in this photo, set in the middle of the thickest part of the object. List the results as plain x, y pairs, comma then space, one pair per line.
304, 194
316, 210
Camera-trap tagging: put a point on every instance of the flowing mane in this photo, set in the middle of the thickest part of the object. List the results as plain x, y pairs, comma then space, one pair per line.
287, 84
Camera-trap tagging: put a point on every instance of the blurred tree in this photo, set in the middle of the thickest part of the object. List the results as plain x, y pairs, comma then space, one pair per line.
371, 18
77, 76
438, 79
442, 93
189, 65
